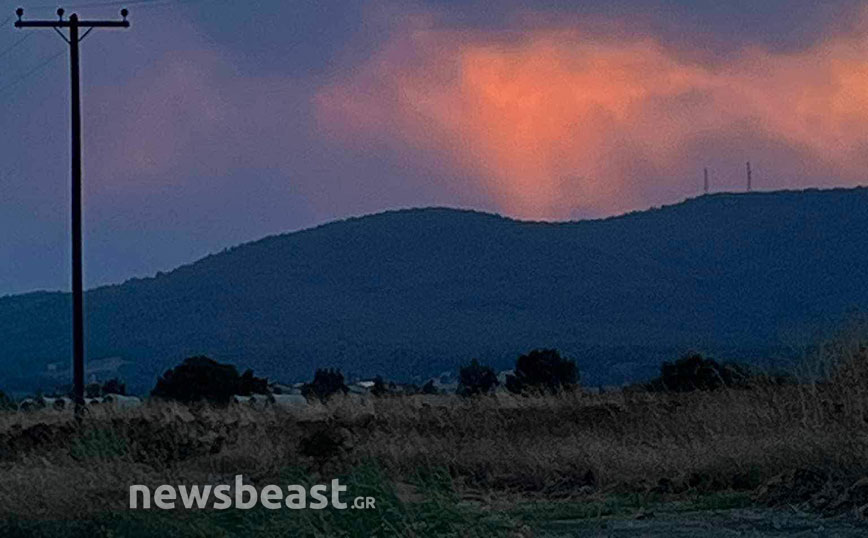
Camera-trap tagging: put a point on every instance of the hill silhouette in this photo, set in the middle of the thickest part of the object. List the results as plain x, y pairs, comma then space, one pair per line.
416, 292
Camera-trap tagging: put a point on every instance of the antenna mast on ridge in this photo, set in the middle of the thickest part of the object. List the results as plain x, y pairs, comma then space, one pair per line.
749, 177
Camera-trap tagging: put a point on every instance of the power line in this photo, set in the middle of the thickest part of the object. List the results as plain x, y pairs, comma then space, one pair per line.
45, 63
33, 71
13, 45
138, 3
93, 4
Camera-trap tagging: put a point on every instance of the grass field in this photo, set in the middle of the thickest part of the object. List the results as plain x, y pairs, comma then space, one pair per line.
448, 466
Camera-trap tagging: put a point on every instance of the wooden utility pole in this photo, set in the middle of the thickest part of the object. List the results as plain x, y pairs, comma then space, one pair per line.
73, 39
705, 184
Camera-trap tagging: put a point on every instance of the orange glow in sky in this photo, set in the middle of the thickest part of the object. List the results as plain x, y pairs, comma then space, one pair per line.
552, 121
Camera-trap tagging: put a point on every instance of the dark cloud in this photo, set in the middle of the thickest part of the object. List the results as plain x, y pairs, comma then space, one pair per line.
203, 129
719, 26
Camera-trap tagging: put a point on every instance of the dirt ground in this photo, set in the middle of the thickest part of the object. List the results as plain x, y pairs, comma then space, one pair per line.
765, 523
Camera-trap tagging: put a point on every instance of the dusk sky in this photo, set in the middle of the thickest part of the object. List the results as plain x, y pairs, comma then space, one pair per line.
211, 123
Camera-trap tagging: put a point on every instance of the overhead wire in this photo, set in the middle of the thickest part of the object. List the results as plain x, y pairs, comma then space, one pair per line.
113, 3
12, 47
47, 61
34, 70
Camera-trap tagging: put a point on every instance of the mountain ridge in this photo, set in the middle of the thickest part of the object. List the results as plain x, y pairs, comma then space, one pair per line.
417, 291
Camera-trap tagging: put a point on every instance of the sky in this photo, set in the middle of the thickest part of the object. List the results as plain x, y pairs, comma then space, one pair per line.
209, 123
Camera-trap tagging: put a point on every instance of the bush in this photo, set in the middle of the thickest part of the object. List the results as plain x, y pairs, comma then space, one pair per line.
850, 366
379, 388
325, 384
475, 379
694, 372
250, 384
112, 386
405, 389
429, 388
203, 379
543, 371
6, 402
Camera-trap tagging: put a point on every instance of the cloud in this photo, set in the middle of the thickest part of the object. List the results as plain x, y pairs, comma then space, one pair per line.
555, 121
189, 114
208, 125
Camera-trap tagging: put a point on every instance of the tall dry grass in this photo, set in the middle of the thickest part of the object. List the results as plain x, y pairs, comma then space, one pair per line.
554, 447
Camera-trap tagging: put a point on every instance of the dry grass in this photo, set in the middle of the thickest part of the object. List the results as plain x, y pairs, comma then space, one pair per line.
551, 447
554, 447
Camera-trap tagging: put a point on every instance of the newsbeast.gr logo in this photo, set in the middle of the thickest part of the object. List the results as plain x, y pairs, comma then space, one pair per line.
245, 497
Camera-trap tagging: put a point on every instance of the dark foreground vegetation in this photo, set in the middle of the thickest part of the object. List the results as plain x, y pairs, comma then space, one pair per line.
504, 463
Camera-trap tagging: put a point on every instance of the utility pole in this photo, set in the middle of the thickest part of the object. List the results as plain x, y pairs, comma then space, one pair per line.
705, 185
73, 39
749, 177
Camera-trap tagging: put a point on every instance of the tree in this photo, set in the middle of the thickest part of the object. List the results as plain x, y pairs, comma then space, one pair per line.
694, 372
379, 388
6, 403
429, 388
203, 379
475, 379
250, 384
112, 386
92, 390
325, 384
543, 371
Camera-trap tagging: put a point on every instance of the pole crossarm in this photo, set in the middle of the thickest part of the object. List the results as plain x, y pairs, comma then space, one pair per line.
72, 21
67, 24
